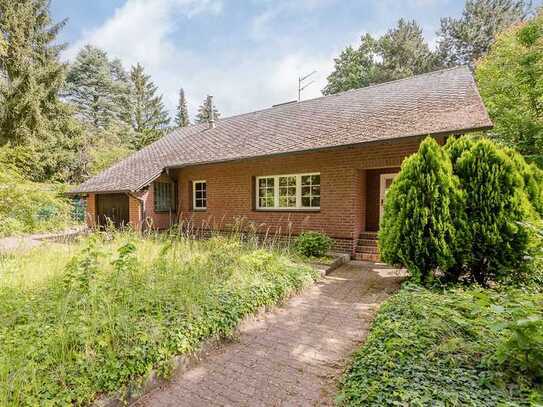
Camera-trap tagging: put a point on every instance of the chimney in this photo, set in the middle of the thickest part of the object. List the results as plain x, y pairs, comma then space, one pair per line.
211, 113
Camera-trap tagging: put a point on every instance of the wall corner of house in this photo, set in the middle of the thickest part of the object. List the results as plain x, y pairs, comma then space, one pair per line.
90, 211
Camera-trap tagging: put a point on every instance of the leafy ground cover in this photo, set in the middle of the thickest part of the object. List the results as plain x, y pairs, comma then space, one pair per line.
454, 347
77, 321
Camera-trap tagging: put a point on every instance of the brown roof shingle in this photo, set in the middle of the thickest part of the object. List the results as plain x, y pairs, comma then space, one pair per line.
444, 101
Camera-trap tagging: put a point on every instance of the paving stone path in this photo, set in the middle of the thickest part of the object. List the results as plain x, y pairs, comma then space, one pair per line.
293, 355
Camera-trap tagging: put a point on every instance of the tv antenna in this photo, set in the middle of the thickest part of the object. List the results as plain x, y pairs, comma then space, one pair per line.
302, 85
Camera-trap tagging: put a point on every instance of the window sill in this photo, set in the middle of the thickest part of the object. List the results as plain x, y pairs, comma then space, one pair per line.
199, 210
316, 210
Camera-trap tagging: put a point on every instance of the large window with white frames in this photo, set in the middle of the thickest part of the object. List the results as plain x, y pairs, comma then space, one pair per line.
287, 192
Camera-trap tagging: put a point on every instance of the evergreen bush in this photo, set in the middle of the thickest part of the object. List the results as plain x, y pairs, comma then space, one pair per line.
423, 218
312, 244
497, 203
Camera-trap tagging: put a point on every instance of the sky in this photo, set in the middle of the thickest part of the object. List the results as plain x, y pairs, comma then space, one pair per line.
248, 54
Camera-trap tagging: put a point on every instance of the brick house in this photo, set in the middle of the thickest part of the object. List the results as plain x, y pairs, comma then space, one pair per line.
322, 164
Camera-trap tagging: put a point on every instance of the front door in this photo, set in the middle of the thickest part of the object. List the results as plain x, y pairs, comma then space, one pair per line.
386, 182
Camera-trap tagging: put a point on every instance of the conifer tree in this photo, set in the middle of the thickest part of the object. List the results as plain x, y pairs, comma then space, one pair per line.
31, 70
423, 218
31, 115
98, 88
149, 115
497, 202
182, 116
203, 112
399, 53
464, 40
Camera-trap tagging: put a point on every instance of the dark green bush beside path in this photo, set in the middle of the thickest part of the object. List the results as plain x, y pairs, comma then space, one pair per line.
72, 327
456, 348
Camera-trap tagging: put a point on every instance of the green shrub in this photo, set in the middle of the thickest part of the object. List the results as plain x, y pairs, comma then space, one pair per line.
423, 214
496, 243
29, 207
436, 348
312, 244
522, 351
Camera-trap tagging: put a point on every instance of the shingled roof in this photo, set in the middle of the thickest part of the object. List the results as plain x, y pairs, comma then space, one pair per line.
440, 102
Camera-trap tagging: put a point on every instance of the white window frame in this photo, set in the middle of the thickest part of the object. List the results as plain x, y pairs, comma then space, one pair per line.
276, 206
194, 207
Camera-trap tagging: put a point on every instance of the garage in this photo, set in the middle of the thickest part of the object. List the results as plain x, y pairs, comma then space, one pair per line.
112, 208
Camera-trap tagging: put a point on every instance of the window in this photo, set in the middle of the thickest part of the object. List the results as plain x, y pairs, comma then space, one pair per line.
164, 193
266, 192
311, 191
199, 195
297, 191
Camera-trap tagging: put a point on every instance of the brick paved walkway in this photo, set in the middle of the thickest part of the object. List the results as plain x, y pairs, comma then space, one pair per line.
291, 356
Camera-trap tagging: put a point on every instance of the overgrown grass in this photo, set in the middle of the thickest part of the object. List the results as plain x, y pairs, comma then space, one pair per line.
102, 319
447, 348
31, 207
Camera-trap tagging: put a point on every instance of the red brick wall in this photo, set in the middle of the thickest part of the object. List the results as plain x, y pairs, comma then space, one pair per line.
90, 211
342, 211
344, 205
157, 220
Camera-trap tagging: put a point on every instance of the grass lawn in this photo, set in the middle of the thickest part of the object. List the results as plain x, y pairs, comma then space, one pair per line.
80, 320
441, 348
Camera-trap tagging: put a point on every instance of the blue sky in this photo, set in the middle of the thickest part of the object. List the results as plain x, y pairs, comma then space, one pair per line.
249, 53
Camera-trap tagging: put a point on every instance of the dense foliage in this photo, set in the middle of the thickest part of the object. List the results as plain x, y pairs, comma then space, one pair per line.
494, 244
403, 51
423, 214
80, 320
463, 40
32, 117
399, 53
460, 211
457, 347
312, 244
27, 207
510, 80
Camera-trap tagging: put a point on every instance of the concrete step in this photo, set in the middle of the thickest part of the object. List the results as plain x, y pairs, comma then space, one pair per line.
368, 235
367, 257
367, 242
367, 249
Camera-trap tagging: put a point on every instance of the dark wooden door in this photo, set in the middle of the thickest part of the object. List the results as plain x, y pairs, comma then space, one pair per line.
113, 208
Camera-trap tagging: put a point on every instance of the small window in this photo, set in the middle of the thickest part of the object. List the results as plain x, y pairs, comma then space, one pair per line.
287, 191
199, 195
164, 194
266, 192
296, 191
311, 191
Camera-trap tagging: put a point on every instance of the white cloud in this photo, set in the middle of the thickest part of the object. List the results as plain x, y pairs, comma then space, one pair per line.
241, 79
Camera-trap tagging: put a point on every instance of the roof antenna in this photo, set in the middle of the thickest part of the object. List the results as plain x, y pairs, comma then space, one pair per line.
211, 113
301, 85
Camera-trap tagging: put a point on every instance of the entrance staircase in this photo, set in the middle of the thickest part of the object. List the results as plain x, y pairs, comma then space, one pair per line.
366, 249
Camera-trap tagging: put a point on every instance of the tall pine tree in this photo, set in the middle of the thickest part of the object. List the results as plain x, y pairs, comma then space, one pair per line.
99, 88
32, 116
203, 112
400, 53
464, 40
182, 115
149, 115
